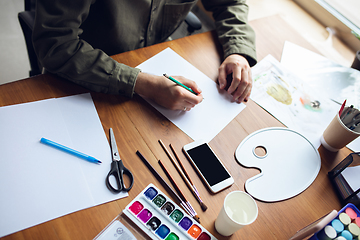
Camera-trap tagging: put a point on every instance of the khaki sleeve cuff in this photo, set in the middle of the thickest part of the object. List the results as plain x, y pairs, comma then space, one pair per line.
248, 52
123, 79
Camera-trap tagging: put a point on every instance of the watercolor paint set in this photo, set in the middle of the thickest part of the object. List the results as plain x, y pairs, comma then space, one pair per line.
159, 218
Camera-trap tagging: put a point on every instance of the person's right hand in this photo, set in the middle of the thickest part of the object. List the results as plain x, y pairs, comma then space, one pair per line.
167, 93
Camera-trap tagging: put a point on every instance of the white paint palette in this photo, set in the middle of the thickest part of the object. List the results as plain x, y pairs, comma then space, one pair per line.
289, 166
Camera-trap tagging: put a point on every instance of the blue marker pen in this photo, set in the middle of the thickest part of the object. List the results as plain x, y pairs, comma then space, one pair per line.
69, 150
337, 225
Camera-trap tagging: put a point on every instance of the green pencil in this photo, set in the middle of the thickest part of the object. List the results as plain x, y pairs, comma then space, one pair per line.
179, 83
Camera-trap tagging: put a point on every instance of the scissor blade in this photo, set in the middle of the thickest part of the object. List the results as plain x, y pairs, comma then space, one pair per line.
114, 149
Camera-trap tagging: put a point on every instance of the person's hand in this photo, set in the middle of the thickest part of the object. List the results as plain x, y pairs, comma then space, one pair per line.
167, 93
241, 81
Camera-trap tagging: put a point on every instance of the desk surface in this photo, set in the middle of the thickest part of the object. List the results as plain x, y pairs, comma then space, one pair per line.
139, 127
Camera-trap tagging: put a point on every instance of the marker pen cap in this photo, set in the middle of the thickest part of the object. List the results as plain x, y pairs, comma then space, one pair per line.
344, 218
357, 221
346, 234
353, 229
337, 225
351, 213
340, 238
327, 233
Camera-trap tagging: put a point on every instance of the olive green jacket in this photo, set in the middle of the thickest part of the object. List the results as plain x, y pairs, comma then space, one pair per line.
74, 38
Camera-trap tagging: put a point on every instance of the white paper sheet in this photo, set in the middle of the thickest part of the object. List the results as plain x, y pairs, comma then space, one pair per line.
209, 117
335, 81
290, 100
39, 183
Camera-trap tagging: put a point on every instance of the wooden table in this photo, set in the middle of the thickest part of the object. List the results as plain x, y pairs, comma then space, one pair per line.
138, 126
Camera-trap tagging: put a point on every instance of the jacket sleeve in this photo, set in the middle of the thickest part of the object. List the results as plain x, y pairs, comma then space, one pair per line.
234, 32
61, 51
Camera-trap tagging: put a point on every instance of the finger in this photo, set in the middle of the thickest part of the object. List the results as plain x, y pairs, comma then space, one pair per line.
186, 106
190, 101
181, 98
188, 96
193, 99
244, 88
191, 84
248, 94
189, 104
249, 89
186, 109
244, 96
222, 76
236, 80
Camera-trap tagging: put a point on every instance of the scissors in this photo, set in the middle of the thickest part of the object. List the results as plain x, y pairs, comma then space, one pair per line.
117, 169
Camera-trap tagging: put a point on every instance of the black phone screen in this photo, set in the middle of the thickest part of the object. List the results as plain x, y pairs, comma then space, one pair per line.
208, 164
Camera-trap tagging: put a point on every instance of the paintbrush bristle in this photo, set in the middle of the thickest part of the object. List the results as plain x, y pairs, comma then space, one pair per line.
203, 206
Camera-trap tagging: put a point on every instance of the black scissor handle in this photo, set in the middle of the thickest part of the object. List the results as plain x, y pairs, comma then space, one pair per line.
117, 170
114, 171
130, 176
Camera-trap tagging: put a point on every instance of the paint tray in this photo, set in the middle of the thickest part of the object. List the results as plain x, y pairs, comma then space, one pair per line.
156, 216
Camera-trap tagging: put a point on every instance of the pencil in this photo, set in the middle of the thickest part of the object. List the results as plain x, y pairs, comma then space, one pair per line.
190, 186
167, 187
179, 83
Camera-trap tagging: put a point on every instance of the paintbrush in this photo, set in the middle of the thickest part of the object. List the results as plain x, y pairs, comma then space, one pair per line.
186, 180
189, 182
177, 187
167, 187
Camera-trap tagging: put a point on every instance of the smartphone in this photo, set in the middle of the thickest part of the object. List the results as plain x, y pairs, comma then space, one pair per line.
208, 166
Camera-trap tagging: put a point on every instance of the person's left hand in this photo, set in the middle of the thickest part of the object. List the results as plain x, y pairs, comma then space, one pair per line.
241, 82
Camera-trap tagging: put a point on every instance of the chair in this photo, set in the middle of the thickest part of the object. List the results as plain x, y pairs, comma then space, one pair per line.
193, 22
27, 18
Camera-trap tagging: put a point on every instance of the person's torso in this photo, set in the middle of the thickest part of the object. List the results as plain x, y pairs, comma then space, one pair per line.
117, 26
